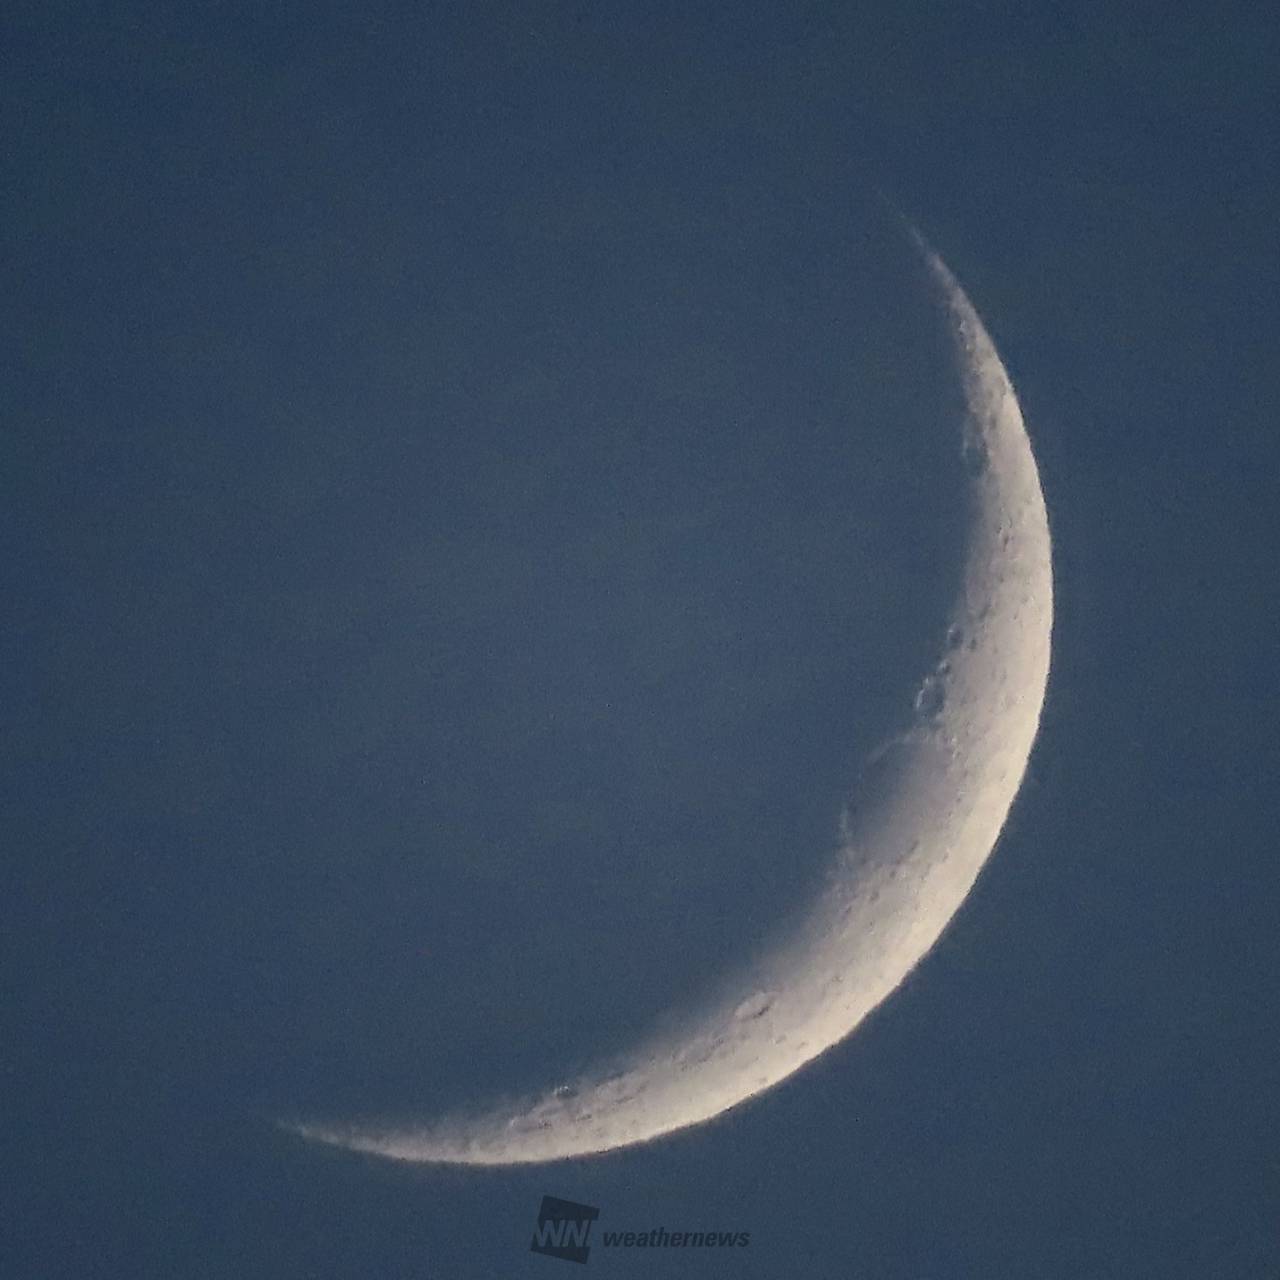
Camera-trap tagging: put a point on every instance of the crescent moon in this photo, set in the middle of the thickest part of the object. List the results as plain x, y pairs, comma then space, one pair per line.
921, 823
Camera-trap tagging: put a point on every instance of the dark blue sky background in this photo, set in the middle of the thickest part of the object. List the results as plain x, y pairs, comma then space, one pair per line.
472, 493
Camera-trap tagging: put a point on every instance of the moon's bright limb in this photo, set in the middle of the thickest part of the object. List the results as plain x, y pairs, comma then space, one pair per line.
914, 837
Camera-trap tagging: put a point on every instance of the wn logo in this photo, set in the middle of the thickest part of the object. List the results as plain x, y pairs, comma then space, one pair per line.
564, 1229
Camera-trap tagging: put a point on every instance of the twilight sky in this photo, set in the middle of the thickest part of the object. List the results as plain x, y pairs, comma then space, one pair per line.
472, 496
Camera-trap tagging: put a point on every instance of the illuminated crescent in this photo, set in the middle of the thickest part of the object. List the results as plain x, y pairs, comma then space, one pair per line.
923, 820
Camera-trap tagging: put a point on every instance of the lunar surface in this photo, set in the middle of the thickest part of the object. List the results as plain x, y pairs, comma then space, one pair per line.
917, 828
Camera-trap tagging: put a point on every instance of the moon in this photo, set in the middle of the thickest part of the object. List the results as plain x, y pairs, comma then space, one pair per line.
920, 823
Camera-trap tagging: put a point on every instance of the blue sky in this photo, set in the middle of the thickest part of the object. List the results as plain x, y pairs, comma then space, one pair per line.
471, 496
